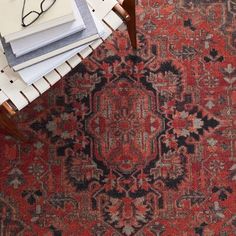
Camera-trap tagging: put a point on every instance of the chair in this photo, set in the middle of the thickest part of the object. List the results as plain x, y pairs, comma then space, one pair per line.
15, 94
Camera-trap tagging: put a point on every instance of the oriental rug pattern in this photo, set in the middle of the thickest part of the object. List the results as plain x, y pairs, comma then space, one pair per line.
134, 143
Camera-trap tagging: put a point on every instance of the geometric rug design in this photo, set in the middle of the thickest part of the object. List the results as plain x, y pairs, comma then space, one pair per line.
133, 142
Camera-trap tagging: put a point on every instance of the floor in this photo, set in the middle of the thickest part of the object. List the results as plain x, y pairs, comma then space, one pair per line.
133, 142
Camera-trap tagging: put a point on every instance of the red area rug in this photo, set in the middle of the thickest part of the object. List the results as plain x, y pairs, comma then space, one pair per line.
133, 143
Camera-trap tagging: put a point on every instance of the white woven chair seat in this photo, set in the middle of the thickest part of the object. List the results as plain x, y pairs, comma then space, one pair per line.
12, 88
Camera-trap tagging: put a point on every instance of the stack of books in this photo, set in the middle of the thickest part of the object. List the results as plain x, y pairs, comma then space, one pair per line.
58, 34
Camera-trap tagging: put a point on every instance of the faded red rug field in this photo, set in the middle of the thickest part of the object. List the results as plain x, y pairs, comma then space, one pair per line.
134, 143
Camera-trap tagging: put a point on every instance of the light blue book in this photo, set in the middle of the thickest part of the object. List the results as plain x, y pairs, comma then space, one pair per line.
75, 40
37, 40
35, 72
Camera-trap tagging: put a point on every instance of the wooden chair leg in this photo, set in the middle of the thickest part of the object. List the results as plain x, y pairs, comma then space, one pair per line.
126, 9
129, 6
8, 126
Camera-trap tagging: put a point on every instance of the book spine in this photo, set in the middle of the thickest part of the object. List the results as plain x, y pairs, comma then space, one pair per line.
39, 28
54, 53
33, 47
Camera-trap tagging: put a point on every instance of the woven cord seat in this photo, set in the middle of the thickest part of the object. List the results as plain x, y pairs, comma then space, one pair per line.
15, 94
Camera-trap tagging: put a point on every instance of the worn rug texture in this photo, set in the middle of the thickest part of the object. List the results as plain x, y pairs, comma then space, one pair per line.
133, 143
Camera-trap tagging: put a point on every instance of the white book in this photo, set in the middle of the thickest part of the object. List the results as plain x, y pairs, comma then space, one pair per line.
32, 42
35, 72
10, 17
60, 46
